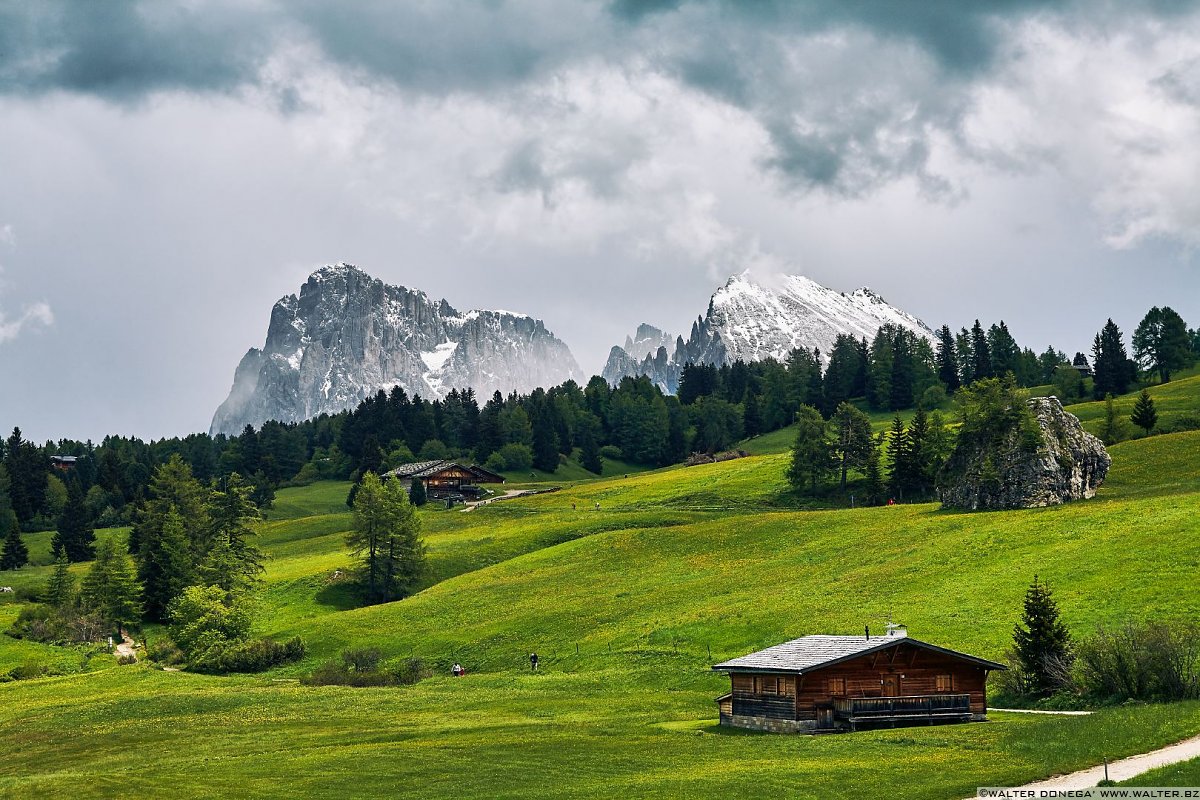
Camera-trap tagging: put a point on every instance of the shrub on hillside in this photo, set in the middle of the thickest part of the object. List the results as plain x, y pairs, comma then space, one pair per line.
41, 623
362, 668
1181, 423
611, 452
164, 651
1141, 661
255, 655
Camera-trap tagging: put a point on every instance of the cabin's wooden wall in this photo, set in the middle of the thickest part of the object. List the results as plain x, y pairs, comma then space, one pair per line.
799, 696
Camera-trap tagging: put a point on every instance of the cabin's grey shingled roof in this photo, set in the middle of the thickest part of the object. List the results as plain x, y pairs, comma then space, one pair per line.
815, 652
419, 468
423, 469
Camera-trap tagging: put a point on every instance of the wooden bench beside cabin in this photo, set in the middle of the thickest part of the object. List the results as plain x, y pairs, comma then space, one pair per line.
844, 683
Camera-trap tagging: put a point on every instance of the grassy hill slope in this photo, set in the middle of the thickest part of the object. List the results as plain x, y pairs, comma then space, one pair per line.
628, 606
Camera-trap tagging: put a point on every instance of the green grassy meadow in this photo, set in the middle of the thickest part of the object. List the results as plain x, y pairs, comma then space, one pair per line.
628, 605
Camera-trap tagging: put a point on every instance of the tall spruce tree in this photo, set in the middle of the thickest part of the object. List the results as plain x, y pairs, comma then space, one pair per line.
981, 354
1144, 415
1112, 369
235, 521
75, 536
900, 458
947, 360
1042, 640
15, 554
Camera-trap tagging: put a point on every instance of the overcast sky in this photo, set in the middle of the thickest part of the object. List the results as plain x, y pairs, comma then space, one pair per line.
169, 170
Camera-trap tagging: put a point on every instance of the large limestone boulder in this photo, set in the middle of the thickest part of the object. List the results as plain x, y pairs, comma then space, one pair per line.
1054, 463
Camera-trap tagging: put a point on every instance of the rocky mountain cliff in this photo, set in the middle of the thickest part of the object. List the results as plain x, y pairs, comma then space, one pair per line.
348, 335
752, 318
1063, 462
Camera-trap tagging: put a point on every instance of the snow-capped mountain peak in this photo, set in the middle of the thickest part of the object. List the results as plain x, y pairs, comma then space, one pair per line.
754, 316
347, 335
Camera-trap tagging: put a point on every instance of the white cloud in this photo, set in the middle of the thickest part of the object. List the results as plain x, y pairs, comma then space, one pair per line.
36, 314
8, 236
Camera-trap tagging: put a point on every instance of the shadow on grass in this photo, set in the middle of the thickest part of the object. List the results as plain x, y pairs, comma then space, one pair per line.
341, 596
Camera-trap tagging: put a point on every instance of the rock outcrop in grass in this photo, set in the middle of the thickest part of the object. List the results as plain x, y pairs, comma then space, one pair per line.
1040, 458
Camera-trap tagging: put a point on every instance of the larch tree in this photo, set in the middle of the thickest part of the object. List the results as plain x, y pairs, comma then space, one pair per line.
852, 442
812, 455
60, 588
235, 521
110, 587
385, 537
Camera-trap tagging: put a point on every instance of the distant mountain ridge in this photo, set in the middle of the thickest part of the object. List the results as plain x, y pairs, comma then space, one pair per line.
752, 318
347, 335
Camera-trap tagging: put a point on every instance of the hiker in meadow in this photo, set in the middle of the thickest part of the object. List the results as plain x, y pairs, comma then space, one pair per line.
458, 670
533, 661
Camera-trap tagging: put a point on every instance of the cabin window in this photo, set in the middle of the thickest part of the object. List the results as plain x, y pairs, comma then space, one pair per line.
837, 686
945, 683
766, 684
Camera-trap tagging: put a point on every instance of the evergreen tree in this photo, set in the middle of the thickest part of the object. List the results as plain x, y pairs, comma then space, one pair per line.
947, 359
900, 458
853, 445
545, 446
1005, 354
1114, 428
966, 358
417, 494
110, 587
60, 589
1113, 369
588, 433
235, 520
386, 537
981, 354
1041, 639
15, 553
1144, 415
1161, 343
812, 456
875, 485
165, 565
902, 385
921, 466
751, 420
75, 536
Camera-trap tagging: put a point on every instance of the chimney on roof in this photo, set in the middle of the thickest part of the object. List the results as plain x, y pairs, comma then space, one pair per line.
867, 628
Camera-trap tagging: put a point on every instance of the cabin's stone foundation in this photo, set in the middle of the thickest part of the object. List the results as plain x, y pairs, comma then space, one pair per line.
769, 724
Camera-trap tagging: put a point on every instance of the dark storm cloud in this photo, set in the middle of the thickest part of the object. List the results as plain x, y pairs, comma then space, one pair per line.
122, 50
844, 113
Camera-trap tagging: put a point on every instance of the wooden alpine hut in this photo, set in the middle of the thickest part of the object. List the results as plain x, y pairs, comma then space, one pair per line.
444, 478
844, 683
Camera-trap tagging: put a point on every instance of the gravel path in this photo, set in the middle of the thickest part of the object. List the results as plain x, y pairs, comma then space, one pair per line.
1125, 768
125, 647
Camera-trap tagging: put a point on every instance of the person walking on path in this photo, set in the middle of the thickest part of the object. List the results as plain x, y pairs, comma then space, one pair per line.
533, 661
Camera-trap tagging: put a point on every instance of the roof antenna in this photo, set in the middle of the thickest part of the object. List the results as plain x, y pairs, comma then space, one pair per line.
867, 629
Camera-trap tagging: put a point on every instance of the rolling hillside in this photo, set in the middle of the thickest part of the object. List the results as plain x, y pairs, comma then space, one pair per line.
628, 605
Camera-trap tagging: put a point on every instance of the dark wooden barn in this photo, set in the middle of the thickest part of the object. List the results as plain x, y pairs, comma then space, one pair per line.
444, 478
846, 683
